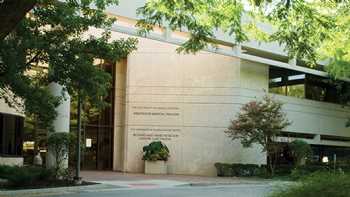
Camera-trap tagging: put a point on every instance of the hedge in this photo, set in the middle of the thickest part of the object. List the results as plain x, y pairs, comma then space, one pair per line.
25, 176
240, 170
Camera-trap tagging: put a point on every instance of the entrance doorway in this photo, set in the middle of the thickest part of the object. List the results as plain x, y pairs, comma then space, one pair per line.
98, 152
98, 132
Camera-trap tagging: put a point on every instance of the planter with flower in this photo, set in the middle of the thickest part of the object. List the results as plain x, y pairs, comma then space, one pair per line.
155, 156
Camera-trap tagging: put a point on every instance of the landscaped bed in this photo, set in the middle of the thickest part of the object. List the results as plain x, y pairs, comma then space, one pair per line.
318, 184
29, 177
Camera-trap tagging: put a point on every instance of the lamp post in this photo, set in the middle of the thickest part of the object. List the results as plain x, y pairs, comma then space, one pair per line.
77, 167
334, 161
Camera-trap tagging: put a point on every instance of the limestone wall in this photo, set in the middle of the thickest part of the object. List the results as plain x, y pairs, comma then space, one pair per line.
11, 161
119, 116
4, 108
187, 102
307, 116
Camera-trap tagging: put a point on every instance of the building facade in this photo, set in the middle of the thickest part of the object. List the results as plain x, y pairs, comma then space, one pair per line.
188, 100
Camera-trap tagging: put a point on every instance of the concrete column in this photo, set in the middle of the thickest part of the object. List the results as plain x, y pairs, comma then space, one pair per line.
167, 33
167, 30
119, 115
237, 49
61, 123
317, 138
293, 61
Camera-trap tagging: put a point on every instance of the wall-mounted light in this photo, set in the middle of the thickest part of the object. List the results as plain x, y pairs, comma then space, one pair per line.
88, 143
325, 159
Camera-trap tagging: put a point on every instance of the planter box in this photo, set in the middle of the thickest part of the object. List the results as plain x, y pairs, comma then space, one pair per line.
156, 167
11, 161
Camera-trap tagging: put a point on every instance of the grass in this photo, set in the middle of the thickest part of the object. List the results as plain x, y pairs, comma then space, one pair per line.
319, 184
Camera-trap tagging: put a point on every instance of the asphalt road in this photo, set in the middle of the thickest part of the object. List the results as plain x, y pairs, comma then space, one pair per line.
248, 190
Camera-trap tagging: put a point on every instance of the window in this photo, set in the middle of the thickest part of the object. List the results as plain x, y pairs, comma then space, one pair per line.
296, 84
11, 131
286, 83
341, 153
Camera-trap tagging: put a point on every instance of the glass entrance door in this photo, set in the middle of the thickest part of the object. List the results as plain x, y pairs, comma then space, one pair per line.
98, 132
98, 154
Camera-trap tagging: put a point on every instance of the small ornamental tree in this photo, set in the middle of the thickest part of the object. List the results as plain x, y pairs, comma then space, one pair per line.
259, 122
300, 150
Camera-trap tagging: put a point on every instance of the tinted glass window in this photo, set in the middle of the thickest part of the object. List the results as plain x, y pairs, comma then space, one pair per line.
11, 131
296, 84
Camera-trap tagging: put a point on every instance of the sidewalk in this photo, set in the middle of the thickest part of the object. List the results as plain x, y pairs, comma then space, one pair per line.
113, 181
132, 179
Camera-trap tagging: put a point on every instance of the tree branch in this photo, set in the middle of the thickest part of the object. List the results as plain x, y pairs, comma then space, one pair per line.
34, 58
11, 13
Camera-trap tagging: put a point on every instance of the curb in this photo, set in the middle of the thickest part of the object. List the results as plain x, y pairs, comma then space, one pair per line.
56, 190
207, 184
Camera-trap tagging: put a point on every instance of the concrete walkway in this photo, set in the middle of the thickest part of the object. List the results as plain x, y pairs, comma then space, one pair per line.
134, 180
116, 181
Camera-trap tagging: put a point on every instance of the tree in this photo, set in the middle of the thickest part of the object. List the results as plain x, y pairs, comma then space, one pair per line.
301, 26
336, 50
310, 31
259, 122
9, 17
51, 44
300, 150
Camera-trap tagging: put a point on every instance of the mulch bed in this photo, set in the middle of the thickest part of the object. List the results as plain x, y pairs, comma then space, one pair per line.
45, 184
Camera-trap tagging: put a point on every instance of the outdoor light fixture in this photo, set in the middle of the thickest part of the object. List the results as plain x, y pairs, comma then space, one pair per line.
88, 143
28, 145
325, 159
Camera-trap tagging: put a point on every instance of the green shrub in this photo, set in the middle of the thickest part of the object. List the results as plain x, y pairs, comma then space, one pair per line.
240, 170
59, 143
6, 170
156, 151
300, 150
302, 171
224, 170
245, 170
283, 169
319, 184
25, 176
343, 168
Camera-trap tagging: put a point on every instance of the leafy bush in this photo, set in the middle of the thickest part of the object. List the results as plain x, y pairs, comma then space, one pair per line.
59, 143
259, 122
283, 169
240, 170
302, 171
25, 176
320, 184
224, 170
300, 150
156, 151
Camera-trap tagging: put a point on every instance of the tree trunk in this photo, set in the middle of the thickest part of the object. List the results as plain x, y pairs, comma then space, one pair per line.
11, 13
270, 164
269, 153
35, 136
